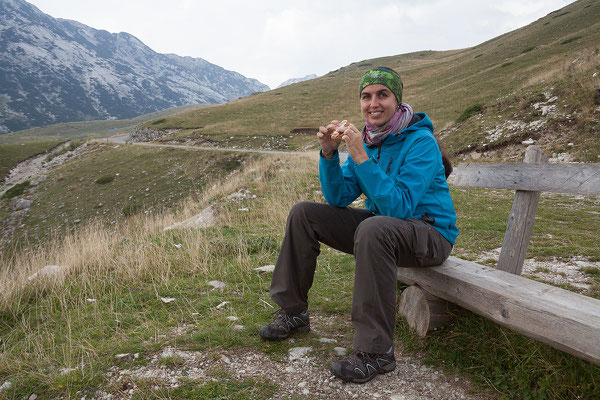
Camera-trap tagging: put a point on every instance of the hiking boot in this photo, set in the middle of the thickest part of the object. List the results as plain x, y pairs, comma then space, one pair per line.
361, 367
284, 325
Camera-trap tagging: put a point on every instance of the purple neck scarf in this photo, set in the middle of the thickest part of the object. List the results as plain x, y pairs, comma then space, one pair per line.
374, 135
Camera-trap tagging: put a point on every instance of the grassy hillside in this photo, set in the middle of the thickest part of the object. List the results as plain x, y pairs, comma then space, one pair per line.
102, 327
13, 154
88, 129
557, 55
112, 182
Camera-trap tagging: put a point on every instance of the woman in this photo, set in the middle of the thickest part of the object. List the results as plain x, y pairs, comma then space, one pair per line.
409, 221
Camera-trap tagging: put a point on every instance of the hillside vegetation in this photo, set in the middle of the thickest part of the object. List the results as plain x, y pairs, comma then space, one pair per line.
75, 334
88, 129
130, 314
512, 77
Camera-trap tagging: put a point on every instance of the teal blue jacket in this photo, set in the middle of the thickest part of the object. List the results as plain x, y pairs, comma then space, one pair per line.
403, 178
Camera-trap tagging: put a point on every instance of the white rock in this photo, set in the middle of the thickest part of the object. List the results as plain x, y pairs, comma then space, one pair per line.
232, 318
47, 271
570, 144
205, 219
217, 284
225, 359
223, 304
33, 397
327, 340
302, 384
298, 352
121, 356
528, 142
22, 204
397, 397
177, 245
243, 209
238, 327
340, 351
91, 300
289, 369
265, 268
64, 371
305, 392
167, 300
6, 385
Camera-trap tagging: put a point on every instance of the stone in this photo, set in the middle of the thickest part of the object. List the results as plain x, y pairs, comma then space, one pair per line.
238, 327
37, 180
528, 142
218, 285
167, 300
47, 271
6, 385
232, 318
298, 352
340, 351
204, 219
265, 268
33, 397
22, 204
223, 304
327, 340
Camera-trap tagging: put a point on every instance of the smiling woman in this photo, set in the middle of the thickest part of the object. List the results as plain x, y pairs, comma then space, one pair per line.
409, 221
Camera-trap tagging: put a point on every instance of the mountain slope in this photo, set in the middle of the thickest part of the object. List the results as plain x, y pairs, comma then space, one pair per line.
556, 55
55, 70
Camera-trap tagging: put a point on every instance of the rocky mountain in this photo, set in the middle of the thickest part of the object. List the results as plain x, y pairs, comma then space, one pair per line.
55, 70
296, 80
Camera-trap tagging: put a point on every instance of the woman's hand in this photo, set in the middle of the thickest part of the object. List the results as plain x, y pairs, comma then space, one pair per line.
354, 142
328, 145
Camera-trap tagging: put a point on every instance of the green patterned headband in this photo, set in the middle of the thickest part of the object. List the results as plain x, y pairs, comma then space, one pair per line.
383, 76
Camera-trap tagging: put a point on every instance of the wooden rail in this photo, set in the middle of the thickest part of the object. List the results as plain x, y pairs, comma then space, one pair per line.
581, 179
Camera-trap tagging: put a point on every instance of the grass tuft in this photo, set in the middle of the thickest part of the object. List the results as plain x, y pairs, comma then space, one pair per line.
16, 190
469, 112
104, 179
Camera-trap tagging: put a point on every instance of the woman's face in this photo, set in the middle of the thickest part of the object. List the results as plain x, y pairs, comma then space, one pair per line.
378, 104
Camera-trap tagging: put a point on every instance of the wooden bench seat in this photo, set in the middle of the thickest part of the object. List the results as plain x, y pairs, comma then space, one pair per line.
560, 318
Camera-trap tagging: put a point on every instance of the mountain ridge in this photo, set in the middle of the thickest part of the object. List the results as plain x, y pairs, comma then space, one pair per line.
59, 70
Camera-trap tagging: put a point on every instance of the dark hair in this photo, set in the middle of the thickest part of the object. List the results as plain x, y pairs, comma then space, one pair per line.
445, 159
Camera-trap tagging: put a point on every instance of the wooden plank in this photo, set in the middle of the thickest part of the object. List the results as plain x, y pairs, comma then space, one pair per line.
562, 319
570, 178
520, 221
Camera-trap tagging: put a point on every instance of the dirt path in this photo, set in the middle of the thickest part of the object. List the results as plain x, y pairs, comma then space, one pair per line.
302, 374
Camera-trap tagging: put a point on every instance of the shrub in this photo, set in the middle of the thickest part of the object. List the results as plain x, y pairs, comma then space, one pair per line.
506, 64
104, 179
574, 38
130, 209
527, 50
16, 190
159, 121
469, 112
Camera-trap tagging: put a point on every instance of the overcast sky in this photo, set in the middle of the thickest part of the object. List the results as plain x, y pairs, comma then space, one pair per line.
274, 40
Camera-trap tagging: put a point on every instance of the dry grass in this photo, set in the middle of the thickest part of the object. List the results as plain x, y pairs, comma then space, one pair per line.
123, 252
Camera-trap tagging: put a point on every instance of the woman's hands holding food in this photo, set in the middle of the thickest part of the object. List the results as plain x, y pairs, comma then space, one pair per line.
328, 144
331, 136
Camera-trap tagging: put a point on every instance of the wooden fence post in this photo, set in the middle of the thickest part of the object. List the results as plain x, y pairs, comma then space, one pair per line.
520, 222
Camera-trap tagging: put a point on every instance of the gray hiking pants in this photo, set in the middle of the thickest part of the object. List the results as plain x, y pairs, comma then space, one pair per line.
379, 245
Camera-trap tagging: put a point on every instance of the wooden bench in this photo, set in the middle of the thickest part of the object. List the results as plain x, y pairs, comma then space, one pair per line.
565, 320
